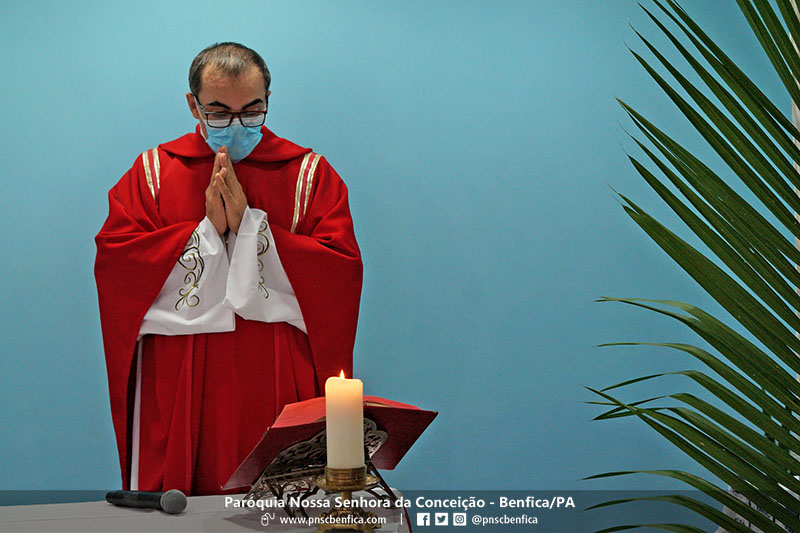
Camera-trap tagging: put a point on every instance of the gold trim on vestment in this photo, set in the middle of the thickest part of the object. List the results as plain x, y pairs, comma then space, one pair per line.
157, 164
298, 190
147, 175
309, 181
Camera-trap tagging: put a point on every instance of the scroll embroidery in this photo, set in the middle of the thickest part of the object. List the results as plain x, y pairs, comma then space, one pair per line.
193, 262
263, 246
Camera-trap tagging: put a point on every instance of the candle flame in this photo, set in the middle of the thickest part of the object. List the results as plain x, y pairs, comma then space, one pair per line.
341, 374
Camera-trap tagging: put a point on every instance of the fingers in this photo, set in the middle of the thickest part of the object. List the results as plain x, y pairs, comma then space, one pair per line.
212, 191
217, 166
222, 186
230, 178
215, 206
225, 161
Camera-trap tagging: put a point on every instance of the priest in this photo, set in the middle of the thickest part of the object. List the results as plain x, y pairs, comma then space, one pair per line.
229, 281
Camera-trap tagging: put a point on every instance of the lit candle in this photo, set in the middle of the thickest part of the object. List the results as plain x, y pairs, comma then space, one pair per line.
344, 422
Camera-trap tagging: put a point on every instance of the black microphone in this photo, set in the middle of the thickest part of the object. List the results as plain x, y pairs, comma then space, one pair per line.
172, 502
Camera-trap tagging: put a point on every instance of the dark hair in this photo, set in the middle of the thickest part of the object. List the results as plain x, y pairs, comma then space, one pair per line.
232, 59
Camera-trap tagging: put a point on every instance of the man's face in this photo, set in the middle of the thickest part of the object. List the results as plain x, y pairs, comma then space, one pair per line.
227, 94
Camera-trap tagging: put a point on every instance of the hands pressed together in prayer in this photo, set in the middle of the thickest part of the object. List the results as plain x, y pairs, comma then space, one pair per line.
225, 199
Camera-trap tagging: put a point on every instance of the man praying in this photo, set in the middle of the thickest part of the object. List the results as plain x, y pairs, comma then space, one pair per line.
229, 280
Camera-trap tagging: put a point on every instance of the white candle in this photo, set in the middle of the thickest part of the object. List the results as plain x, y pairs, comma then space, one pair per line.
344, 422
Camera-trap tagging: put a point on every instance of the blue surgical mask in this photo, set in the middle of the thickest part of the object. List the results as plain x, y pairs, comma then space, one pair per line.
239, 139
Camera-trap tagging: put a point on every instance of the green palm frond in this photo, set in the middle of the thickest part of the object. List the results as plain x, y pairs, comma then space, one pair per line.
748, 435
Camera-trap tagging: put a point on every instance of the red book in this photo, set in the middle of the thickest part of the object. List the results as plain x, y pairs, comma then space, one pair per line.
300, 421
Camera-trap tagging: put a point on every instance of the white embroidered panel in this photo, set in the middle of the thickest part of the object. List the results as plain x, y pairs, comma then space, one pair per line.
209, 283
191, 299
257, 286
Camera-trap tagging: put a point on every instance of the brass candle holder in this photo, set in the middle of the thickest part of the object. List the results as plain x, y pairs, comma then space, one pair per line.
346, 481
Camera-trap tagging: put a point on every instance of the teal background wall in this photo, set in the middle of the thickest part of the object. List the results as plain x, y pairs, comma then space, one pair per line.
480, 142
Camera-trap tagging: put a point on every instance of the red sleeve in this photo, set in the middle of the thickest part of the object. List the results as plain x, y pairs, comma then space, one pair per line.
135, 254
323, 264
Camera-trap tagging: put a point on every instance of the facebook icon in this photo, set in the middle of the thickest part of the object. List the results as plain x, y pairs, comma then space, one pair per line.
423, 519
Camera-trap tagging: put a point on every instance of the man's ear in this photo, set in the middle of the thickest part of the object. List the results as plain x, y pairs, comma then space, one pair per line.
192, 105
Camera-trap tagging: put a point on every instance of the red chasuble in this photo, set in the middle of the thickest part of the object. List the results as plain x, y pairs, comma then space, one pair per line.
206, 399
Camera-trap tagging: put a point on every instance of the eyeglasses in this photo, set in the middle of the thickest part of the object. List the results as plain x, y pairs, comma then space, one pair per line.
220, 119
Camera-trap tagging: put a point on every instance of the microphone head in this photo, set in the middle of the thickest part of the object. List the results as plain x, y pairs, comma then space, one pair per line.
173, 501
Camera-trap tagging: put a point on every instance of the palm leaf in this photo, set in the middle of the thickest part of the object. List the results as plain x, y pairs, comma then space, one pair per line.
702, 485
746, 430
718, 460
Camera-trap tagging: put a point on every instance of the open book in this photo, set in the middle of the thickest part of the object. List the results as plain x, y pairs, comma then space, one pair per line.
301, 421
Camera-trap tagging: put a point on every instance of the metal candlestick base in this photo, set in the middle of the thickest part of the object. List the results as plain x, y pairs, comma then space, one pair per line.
346, 481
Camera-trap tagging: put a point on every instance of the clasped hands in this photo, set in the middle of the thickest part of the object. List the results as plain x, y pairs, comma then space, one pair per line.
225, 199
